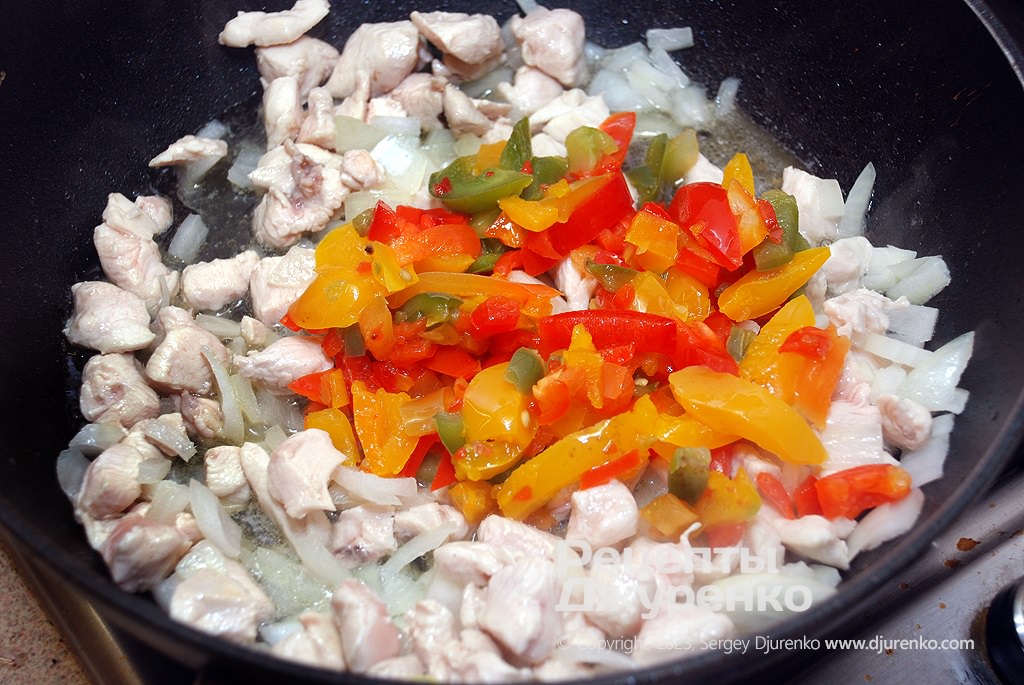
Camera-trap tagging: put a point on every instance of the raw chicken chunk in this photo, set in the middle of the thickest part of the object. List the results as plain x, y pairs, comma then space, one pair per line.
817, 538
282, 110
317, 643
177, 361
133, 262
283, 361
368, 635
666, 635
202, 415
424, 518
470, 562
273, 28
519, 611
603, 516
847, 263
471, 43
224, 475
141, 552
111, 482
309, 60
552, 41
364, 533
146, 217
191, 149
861, 311
278, 281
114, 389
213, 285
157, 208
108, 319
318, 125
381, 55
299, 471
530, 90
905, 423
421, 96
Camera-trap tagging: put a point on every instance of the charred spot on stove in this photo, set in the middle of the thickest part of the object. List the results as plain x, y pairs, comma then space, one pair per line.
966, 544
904, 586
889, 652
942, 605
951, 563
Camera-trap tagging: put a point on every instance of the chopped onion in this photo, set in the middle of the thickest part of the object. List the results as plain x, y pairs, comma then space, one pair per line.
168, 437
272, 633
617, 93
233, 428
214, 128
353, 134
620, 59
167, 500
273, 437
885, 522
879, 275
690, 106
372, 488
93, 438
220, 326
914, 325
413, 550
927, 462
246, 398
71, 468
527, 6
488, 83
405, 165
664, 63
152, 470
187, 240
671, 39
933, 382
929, 275
725, 100
893, 350
245, 162
887, 380
399, 127
642, 72
286, 582
853, 221
213, 521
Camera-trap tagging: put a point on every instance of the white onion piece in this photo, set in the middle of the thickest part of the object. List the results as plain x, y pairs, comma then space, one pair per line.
233, 429
663, 62
405, 165
619, 59
671, 39
215, 128
220, 326
745, 585
527, 6
725, 100
887, 380
914, 325
927, 462
152, 470
885, 522
273, 437
857, 201
893, 350
279, 410
439, 146
272, 633
352, 134
413, 550
372, 488
488, 83
642, 71
245, 162
690, 106
167, 437
93, 438
71, 467
188, 238
879, 275
933, 382
246, 398
167, 500
401, 127
616, 91
213, 521
928, 277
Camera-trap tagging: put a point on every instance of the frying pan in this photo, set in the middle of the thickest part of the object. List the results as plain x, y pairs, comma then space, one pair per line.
927, 91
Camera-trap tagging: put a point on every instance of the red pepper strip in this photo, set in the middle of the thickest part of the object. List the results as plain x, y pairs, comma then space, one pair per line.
721, 460
703, 209
725, 535
620, 127
288, 323
805, 498
697, 344
309, 386
418, 454
774, 492
695, 265
551, 399
453, 362
624, 465
810, 342
602, 210
333, 343
720, 324
850, 492
511, 260
359, 368
386, 225
649, 332
445, 474
497, 314
770, 220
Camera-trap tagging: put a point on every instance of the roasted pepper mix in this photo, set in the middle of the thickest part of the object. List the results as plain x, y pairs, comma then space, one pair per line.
448, 370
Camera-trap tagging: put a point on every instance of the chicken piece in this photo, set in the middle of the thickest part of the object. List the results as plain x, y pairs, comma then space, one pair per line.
462, 115
861, 311
283, 361
470, 562
202, 415
167, 433
405, 667
111, 482
552, 41
546, 146
255, 333
380, 54
676, 630
905, 423
192, 149
471, 43
177, 362
185, 523
223, 601
368, 635
473, 599
617, 595
520, 540
360, 170
356, 104
703, 171
210, 286
303, 204
853, 437
577, 287
817, 538
309, 60
278, 281
125, 215
819, 201
424, 518
422, 97
273, 28
108, 319
282, 110
364, 533
603, 516
277, 166
224, 475
156, 208
847, 263
114, 389
519, 611
530, 90
318, 125
316, 644
569, 111
299, 471
141, 552
133, 262
385, 106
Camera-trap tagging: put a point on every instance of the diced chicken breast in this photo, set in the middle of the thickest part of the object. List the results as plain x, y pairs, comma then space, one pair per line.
703, 171
405, 667
133, 263
309, 60
820, 202
552, 41
255, 333
522, 541
141, 552
471, 43
861, 311
318, 124
108, 319
530, 90
202, 415
111, 482
191, 149
299, 471
424, 518
278, 281
817, 538
616, 596
381, 54
421, 96
567, 112
678, 628
156, 208
519, 610
905, 423
577, 287
603, 516
283, 361
470, 561
853, 437
224, 475
167, 433
273, 28
316, 644
847, 263
282, 110
145, 217
368, 635
114, 389
223, 602
364, 533
177, 362
462, 115
210, 286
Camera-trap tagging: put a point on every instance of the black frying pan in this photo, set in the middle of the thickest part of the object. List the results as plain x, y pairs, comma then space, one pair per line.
91, 90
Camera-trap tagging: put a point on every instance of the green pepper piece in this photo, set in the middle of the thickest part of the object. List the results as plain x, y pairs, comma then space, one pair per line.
490, 250
525, 368
769, 255
451, 430
586, 146
363, 221
519, 148
646, 178
352, 337
680, 155
738, 342
546, 170
688, 473
436, 308
611, 276
460, 190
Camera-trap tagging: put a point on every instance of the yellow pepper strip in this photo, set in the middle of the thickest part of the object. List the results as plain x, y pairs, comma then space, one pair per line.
729, 404
654, 236
480, 461
558, 204
338, 427
535, 299
533, 483
749, 221
651, 296
687, 291
474, 499
727, 500
763, 364
488, 156
686, 431
757, 293
669, 516
378, 423
738, 169
494, 409
581, 354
